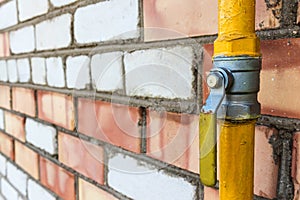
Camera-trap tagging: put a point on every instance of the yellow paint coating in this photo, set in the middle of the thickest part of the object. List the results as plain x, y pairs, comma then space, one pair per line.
207, 149
237, 160
236, 29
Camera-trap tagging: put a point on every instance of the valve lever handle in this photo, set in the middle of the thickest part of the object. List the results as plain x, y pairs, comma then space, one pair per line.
208, 128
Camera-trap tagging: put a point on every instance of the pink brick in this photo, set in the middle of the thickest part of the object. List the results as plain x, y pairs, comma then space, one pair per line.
56, 108
24, 101
265, 170
87, 191
27, 159
7, 145
14, 125
112, 123
57, 179
81, 156
211, 193
4, 45
174, 138
5, 96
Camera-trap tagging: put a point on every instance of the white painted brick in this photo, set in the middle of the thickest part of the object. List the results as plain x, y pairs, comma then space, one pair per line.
3, 70
77, 72
37, 192
1, 119
138, 180
38, 67
107, 20
17, 178
165, 72
58, 3
8, 14
31, 8
23, 70
55, 72
40, 135
8, 191
54, 33
12, 71
3, 165
22, 40
106, 70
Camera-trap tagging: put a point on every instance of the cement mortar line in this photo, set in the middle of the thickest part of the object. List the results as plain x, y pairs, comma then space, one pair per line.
280, 122
118, 46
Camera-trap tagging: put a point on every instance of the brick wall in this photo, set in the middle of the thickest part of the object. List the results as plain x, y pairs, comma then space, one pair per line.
99, 99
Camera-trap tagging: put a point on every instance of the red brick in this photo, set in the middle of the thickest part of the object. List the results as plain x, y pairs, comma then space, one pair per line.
280, 86
112, 123
211, 193
57, 179
4, 45
14, 125
87, 191
23, 101
265, 170
7, 145
81, 156
174, 138
56, 108
27, 159
166, 19
4, 96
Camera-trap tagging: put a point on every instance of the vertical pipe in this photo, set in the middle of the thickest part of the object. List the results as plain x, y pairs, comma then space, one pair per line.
237, 38
236, 160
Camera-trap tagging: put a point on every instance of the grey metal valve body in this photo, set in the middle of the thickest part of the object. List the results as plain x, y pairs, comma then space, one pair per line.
242, 85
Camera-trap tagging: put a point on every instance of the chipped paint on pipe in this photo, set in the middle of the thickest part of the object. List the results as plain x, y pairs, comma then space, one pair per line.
236, 23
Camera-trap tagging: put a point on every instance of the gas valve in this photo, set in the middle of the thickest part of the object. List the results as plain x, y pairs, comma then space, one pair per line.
233, 84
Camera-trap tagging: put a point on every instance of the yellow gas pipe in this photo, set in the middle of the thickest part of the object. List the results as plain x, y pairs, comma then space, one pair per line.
236, 39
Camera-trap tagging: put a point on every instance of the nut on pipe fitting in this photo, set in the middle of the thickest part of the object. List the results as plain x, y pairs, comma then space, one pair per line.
240, 101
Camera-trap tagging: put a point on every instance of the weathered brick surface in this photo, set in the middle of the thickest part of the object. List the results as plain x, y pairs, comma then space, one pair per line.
88, 191
4, 45
7, 145
174, 138
112, 123
265, 169
5, 96
14, 125
56, 108
24, 101
81, 156
57, 179
27, 159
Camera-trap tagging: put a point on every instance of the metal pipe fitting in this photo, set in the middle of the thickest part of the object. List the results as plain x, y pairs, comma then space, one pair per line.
240, 101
